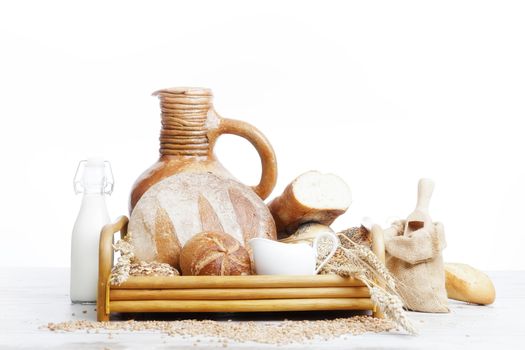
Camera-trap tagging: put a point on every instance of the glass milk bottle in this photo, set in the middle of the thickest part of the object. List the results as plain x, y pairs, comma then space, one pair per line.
94, 179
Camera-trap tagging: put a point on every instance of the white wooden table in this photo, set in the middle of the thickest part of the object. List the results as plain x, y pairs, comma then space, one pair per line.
32, 297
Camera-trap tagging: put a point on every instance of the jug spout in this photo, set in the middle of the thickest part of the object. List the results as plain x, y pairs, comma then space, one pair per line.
256, 243
269, 246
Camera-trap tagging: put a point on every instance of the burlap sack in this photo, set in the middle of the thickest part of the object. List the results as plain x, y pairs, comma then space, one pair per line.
417, 263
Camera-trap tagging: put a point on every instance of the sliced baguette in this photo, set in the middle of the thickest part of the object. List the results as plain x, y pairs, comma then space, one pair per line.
311, 197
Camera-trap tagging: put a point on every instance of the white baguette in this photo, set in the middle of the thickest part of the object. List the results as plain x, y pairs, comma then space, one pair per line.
465, 283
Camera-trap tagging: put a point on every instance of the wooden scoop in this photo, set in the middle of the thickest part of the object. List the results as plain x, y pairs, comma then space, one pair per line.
420, 217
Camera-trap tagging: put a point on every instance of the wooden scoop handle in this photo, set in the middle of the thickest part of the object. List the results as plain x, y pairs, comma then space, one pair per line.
425, 189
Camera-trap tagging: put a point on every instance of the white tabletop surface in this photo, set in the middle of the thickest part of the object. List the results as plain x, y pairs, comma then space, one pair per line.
32, 297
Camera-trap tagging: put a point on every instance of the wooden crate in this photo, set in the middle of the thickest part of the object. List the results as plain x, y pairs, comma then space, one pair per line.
225, 293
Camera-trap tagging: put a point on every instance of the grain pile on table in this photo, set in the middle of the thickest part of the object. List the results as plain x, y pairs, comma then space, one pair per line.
284, 332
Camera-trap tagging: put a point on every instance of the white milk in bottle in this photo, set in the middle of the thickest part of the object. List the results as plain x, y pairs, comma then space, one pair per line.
94, 179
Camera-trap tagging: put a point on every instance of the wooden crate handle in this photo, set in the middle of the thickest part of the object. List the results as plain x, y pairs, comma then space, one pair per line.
105, 263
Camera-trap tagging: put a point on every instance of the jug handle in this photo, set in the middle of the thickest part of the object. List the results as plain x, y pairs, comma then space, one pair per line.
263, 147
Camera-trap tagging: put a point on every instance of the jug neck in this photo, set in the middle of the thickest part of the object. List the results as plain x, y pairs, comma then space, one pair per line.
184, 117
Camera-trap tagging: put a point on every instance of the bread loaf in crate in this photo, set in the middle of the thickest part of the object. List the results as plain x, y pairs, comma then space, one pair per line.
175, 209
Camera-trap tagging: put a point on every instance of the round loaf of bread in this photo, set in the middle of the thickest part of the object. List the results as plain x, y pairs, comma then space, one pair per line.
181, 206
214, 254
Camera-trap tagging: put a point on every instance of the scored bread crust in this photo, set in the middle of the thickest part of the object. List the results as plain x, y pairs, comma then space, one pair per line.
175, 209
214, 254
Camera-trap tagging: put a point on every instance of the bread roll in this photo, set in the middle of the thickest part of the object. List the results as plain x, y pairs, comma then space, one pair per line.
465, 283
214, 254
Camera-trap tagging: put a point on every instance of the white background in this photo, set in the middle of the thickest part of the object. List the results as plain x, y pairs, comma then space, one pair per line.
380, 93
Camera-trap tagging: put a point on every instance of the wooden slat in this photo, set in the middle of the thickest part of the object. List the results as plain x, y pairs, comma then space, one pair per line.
239, 293
241, 305
222, 282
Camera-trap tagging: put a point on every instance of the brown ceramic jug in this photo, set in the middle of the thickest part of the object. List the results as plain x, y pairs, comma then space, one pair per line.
187, 190
190, 128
